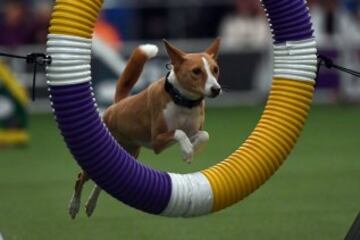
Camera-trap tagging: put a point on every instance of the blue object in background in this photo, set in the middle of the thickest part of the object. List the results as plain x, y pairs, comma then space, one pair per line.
124, 20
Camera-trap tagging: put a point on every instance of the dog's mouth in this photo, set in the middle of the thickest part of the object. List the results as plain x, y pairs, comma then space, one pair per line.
211, 93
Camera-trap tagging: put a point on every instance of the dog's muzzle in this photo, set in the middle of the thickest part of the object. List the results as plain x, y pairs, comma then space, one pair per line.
215, 92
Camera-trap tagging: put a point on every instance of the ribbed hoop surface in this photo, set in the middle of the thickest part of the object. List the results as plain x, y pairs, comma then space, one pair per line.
169, 194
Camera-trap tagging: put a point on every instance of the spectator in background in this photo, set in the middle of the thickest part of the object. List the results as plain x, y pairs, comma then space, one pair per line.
246, 28
42, 11
15, 25
332, 23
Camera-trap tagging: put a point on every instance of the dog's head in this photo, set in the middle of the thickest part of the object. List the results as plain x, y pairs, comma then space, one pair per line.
197, 73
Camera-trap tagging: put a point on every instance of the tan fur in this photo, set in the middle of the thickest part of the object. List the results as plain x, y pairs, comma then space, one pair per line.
150, 118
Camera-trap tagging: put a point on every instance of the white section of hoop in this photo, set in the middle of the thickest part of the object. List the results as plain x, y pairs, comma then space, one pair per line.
296, 60
191, 196
71, 57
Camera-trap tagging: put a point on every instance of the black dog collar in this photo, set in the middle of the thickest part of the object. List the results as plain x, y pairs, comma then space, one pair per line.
178, 98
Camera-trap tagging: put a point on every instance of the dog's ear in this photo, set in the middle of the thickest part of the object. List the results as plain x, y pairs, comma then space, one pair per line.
176, 55
214, 48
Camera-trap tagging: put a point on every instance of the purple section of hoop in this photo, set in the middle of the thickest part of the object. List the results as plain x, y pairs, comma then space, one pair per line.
289, 19
108, 164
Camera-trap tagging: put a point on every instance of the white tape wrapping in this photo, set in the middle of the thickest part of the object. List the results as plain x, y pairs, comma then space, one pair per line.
296, 60
71, 57
191, 196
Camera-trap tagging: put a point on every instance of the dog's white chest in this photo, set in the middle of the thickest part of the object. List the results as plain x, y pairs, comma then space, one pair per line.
187, 120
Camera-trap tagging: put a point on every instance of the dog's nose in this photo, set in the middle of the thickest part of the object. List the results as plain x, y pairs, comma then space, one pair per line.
215, 91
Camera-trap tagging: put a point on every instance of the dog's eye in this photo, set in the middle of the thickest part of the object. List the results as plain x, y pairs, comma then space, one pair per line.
197, 71
216, 70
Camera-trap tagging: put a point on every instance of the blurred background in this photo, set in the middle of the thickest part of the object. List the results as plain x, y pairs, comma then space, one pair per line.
191, 25
36, 177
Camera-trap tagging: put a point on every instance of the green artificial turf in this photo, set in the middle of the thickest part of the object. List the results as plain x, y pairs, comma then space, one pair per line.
315, 195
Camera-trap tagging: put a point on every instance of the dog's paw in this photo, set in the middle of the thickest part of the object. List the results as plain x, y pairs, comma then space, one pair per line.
74, 207
187, 151
150, 50
188, 155
90, 207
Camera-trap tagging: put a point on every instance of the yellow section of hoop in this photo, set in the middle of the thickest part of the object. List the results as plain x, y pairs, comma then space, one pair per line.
13, 137
75, 17
268, 146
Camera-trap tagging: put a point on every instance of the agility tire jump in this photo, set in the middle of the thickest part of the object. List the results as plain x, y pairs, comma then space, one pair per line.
169, 194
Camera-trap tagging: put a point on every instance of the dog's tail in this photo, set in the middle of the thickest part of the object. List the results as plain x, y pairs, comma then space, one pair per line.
133, 70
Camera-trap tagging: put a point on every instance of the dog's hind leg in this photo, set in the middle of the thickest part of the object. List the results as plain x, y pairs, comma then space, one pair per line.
93, 198
75, 201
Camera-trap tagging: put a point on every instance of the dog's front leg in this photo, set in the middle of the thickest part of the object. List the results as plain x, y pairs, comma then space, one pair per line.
199, 140
187, 148
164, 140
